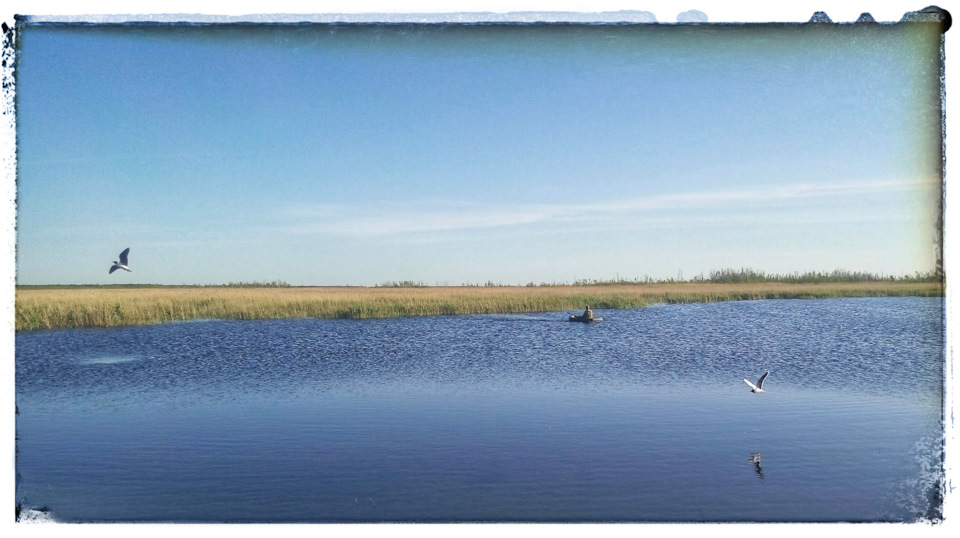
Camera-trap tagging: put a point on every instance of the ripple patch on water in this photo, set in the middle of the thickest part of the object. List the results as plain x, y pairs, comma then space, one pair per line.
109, 359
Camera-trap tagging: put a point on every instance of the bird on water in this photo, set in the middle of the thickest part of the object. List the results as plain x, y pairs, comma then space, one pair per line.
122, 264
759, 386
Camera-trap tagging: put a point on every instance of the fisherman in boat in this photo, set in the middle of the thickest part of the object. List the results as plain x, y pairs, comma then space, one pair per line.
587, 314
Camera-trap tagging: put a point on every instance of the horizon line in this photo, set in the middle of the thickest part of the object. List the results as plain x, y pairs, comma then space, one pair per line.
839, 275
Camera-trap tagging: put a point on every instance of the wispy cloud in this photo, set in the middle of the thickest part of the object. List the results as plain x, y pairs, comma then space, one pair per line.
393, 218
759, 197
389, 218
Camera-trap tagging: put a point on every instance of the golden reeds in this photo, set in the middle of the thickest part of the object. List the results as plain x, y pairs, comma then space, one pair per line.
38, 308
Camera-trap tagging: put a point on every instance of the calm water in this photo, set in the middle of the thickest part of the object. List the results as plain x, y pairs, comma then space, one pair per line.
643, 417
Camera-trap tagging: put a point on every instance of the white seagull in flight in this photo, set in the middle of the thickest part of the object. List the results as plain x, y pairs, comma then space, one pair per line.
759, 386
122, 264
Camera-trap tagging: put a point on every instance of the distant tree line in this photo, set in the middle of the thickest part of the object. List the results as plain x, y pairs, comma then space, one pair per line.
255, 284
402, 284
747, 276
750, 276
722, 276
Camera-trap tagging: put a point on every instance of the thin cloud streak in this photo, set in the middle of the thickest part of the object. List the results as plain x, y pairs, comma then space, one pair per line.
760, 197
388, 219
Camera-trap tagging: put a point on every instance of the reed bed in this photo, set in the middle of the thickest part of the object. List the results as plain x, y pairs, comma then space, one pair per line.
39, 308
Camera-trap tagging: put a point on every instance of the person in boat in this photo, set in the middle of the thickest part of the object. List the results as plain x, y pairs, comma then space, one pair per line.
587, 314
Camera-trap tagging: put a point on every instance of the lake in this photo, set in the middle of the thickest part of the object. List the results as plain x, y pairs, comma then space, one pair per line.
492, 418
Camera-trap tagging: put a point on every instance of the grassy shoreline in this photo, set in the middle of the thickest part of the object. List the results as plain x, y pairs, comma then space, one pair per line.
52, 308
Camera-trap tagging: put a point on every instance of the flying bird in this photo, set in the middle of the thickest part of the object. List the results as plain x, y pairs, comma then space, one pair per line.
759, 386
122, 264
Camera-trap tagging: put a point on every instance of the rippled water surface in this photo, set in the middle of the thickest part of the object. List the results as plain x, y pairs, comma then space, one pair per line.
643, 417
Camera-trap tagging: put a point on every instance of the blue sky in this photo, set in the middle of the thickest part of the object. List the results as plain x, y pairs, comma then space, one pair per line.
451, 155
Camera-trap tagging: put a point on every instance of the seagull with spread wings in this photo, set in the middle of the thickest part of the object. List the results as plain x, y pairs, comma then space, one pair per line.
759, 386
122, 264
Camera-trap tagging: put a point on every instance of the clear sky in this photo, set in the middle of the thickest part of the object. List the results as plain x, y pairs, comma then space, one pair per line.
322, 155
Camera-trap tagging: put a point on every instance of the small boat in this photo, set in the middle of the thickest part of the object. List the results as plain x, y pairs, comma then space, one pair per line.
582, 319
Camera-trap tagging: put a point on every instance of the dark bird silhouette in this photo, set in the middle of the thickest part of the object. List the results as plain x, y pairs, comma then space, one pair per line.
122, 264
759, 386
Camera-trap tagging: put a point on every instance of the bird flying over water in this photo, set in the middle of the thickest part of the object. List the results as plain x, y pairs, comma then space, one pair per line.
759, 386
122, 264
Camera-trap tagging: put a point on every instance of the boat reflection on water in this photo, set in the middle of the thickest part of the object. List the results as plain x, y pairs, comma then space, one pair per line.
584, 319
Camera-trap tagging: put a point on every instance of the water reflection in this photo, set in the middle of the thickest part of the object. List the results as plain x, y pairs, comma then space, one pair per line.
489, 418
757, 469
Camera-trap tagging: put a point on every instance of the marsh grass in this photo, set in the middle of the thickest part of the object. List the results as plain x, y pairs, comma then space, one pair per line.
50, 308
